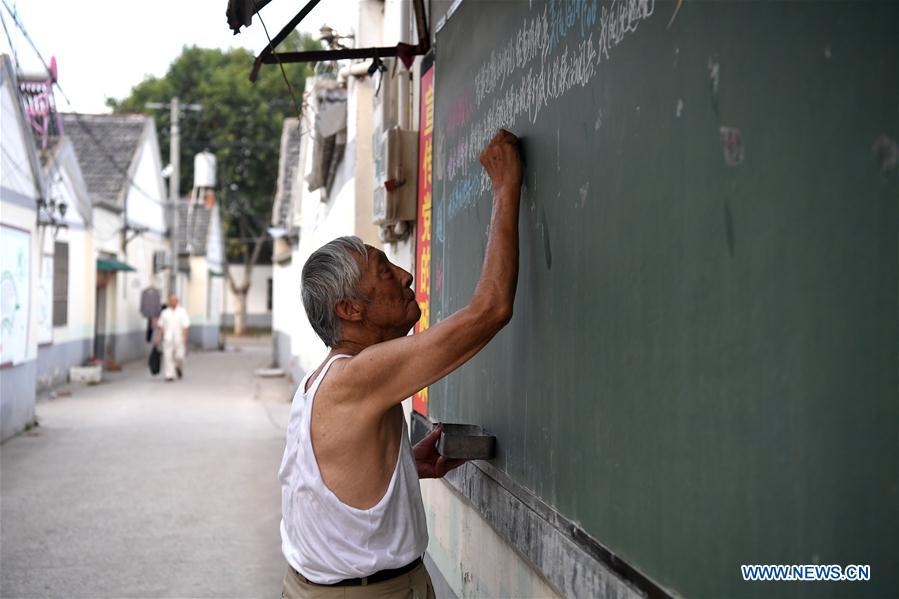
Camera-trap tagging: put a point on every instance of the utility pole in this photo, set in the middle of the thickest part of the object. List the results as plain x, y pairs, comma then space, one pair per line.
175, 107
175, 152
174, 183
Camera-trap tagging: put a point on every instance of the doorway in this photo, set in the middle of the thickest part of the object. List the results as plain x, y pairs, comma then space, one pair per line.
100, 315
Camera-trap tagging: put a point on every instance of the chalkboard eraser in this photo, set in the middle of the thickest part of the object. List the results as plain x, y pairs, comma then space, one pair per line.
466, 442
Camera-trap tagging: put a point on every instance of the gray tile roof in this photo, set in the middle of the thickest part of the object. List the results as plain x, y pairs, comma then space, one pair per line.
287, 172
192, 230
106, 165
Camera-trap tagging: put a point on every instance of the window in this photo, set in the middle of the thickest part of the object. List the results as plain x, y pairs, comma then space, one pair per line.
268, 296
60, 283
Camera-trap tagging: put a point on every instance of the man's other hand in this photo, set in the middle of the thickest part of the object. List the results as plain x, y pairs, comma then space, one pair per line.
430, 463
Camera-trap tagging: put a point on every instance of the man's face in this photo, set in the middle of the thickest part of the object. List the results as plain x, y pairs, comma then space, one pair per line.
173, 302
392, 306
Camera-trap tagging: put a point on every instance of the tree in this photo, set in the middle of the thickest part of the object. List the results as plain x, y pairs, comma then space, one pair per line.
241, 123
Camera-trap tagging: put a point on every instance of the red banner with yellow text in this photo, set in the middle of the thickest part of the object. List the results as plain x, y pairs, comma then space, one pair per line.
423, 241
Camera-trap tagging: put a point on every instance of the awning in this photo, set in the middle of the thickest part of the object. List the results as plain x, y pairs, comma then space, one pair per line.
113, 265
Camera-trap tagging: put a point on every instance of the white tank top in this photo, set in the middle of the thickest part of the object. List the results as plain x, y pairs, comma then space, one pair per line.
327, 540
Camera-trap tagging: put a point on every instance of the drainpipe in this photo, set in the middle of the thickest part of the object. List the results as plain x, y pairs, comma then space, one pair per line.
403, 81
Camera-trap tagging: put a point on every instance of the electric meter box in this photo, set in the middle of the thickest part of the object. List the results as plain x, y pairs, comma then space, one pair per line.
396, 177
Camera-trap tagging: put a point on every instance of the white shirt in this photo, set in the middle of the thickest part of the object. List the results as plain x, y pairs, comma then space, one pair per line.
327, 540
173, 323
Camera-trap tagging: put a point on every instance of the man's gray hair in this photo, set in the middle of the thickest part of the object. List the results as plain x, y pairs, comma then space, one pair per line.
331, 274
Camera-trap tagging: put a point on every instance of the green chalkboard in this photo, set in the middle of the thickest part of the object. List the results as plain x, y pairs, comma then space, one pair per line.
702, 366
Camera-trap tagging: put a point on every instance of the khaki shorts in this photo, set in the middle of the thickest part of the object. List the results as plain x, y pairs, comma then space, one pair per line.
412, 585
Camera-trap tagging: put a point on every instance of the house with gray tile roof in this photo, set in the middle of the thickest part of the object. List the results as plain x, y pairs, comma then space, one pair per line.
122, 170
107, 151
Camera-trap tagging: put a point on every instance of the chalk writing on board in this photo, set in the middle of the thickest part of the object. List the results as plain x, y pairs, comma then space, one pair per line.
541, 34
732, 144
464, 192
563, 64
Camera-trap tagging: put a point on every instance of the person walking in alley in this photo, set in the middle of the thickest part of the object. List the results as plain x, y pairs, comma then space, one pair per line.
173, 325
352, 513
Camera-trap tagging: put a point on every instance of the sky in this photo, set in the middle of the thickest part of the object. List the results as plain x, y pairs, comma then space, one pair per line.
103, 48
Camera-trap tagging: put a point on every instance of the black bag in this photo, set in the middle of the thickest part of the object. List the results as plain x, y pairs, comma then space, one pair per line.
154, 361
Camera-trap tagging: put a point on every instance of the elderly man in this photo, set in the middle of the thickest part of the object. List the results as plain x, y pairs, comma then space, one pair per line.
352, 514
173, 324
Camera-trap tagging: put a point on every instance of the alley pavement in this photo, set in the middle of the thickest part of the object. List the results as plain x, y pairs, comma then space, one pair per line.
140, 488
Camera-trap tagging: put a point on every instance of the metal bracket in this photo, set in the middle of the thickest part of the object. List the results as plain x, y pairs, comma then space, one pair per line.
136, 232
405, 52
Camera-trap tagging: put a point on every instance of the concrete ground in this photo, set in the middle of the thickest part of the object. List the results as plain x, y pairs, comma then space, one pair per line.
141, 488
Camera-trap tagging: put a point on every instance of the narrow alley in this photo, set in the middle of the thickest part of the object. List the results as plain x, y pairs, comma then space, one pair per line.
139, 488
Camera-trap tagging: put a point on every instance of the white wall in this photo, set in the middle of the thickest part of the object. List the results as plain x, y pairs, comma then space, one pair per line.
107, 231
146, 200
66, 185
195, 300
81, 277
21, 183
24, 220
286, 300
71, 343
18, 208
16, 166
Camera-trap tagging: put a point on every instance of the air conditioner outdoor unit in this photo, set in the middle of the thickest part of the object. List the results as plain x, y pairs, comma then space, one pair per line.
396, 177
161, 261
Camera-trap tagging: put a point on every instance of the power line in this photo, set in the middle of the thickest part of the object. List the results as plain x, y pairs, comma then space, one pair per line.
12, 46
84, 126
283, 72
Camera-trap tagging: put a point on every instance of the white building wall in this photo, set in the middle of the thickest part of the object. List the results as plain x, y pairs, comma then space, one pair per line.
15, 163
20, 186
287, 314
18, 370
203, 299
23, 220
69, 344
107, 231
146, 199
82, 260
82, 281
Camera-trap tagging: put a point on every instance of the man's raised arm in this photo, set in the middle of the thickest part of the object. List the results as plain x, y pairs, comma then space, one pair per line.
387, 373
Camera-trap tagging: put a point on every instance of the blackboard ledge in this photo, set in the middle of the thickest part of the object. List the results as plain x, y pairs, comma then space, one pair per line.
569, 559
